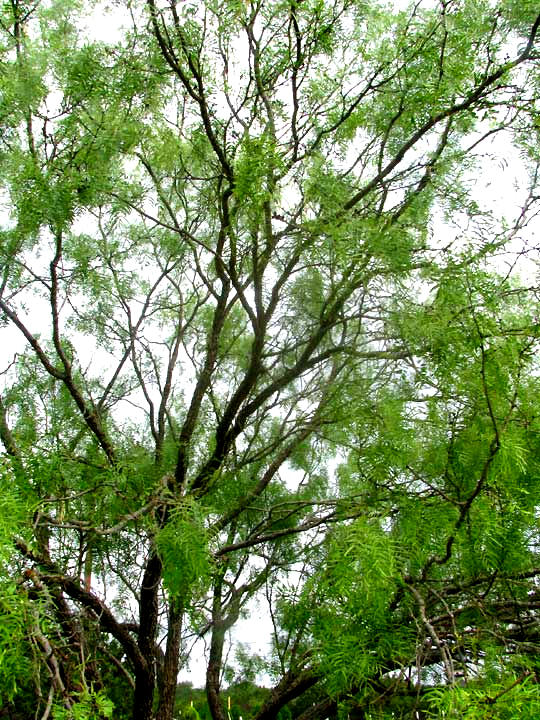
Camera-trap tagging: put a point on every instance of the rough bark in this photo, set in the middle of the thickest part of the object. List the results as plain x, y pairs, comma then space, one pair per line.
145, 678
171, 662
291, 686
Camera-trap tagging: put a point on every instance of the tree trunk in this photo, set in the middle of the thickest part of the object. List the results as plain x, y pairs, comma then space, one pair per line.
88, 560
290, 687
213, 670
324, 709
213, 673
145, 678
171, 664
143, 699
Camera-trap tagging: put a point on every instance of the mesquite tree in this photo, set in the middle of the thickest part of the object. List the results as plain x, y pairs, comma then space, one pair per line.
241, 246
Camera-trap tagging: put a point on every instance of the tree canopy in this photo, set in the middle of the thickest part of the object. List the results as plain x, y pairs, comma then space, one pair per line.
274, 345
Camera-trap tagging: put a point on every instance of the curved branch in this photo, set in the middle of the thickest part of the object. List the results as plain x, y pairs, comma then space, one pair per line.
51, 575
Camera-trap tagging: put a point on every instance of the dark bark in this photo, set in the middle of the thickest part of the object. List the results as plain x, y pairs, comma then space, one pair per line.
171, 662
322, 710
213, 673
145, 677
143, 698
290, 687
53, 578
213, 670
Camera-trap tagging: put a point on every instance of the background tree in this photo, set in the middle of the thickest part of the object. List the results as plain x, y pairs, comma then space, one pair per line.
240, 243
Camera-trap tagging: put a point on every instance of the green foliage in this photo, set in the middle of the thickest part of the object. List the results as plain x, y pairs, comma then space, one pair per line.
15, 659
511, 697
88, 706
14, 607
184, 550
353, 592
188, 713
13, 510
254, 169
268, 337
